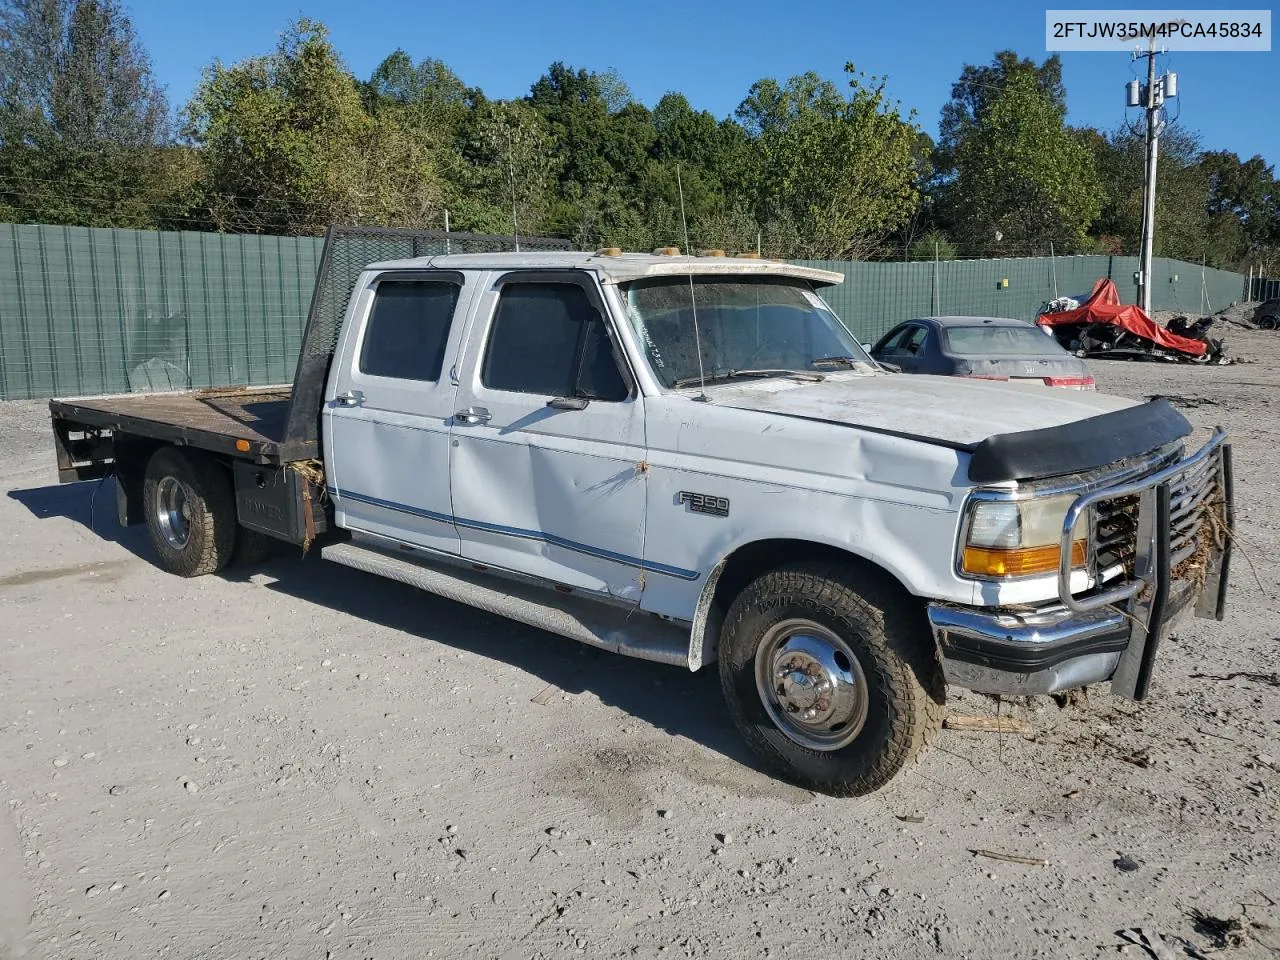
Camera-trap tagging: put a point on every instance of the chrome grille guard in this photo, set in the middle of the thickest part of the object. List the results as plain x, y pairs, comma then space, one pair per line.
1167, 498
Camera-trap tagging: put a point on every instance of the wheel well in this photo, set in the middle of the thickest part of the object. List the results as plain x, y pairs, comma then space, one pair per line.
751, 560
131, 454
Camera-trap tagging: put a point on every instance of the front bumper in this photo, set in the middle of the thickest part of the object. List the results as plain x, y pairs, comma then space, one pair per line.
1112, 633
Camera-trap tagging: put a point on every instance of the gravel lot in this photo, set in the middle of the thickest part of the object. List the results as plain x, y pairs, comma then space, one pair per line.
305, 761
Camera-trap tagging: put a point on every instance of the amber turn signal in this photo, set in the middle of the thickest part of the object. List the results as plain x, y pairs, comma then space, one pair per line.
1019, 561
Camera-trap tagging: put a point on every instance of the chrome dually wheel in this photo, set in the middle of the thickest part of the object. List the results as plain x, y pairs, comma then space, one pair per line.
173, 513
830, 674
811, 684
190, 510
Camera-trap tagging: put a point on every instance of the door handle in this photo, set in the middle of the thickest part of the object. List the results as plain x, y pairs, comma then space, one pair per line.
473, 415
351, 398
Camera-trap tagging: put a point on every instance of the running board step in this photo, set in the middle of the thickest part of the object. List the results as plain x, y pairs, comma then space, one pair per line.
630, 632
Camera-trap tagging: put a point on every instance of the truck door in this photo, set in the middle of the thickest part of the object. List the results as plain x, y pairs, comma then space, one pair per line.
387, 421
548, 463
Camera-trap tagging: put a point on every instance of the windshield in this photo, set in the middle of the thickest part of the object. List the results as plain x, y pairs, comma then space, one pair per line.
999, 341
750, 325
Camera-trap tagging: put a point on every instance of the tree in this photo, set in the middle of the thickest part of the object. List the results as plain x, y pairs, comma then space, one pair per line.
979, 87
577, 115
602, 138
1244, 198
693, 154
84, 132
1183, 227
932, 244
833, 173
511, 169
288, 147
1021, 177
426, 94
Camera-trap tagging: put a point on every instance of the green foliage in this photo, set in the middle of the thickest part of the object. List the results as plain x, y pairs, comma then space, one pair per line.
1182, 221
1021, 177
1243, 205
290, 141
837, 172
511, 169
288, 146
83, 127
979, 87
933, 244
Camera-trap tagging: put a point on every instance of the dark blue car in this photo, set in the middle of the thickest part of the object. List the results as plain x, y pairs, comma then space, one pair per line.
989, 348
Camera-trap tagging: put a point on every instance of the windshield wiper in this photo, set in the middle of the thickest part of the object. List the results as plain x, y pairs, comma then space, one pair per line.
735, 374
833, 361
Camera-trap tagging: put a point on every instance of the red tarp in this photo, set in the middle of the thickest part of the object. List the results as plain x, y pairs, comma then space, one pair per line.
1104, 306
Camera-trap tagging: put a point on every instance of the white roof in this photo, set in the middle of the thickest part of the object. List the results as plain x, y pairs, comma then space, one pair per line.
619, 269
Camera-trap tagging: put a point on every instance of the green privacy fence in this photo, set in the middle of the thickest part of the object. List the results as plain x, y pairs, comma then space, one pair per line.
87, 311
875, 296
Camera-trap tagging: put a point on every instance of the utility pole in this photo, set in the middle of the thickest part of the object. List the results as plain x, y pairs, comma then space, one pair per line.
1151, 98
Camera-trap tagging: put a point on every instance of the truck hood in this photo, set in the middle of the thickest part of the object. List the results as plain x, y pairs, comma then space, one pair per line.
948, 410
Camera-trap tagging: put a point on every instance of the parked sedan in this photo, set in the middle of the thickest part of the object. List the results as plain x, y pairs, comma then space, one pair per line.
988, 348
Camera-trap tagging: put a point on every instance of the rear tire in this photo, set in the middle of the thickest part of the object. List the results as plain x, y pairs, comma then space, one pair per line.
831, 676
191, 514
1269, 323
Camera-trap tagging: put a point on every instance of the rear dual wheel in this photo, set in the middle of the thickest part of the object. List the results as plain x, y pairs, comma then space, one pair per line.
831, 676
191, 515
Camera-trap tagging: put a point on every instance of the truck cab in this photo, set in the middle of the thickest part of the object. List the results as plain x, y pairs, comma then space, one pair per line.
680, 435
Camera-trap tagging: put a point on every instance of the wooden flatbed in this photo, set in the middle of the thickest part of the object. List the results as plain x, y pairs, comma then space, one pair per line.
246, 423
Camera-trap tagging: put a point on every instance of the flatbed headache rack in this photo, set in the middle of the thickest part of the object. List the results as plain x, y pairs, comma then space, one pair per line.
266, 425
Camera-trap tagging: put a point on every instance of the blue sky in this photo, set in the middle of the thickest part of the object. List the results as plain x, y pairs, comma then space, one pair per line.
713, 52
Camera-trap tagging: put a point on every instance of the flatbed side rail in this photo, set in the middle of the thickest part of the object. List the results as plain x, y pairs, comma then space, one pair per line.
86, 430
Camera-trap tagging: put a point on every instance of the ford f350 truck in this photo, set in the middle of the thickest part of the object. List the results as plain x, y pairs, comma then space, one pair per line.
691, 459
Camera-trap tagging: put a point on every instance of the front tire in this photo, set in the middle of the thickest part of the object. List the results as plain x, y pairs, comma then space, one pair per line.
831, 676
191, 514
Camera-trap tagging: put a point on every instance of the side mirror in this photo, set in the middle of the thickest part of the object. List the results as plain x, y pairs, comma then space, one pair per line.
866, 347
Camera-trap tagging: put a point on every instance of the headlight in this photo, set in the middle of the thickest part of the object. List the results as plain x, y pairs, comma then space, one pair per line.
1009, 539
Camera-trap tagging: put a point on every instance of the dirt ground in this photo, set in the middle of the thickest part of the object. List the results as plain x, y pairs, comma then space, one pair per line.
305, 761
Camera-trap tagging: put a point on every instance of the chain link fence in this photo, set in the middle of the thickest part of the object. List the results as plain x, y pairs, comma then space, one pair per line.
1262, 288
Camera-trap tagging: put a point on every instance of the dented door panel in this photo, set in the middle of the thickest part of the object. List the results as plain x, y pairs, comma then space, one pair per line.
569, 509
545, 491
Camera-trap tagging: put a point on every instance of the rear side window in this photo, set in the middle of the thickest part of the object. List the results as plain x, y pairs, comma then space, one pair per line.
914, 340
548, 339
408, 328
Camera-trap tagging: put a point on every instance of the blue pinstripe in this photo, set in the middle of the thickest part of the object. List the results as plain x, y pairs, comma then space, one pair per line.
542, 536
